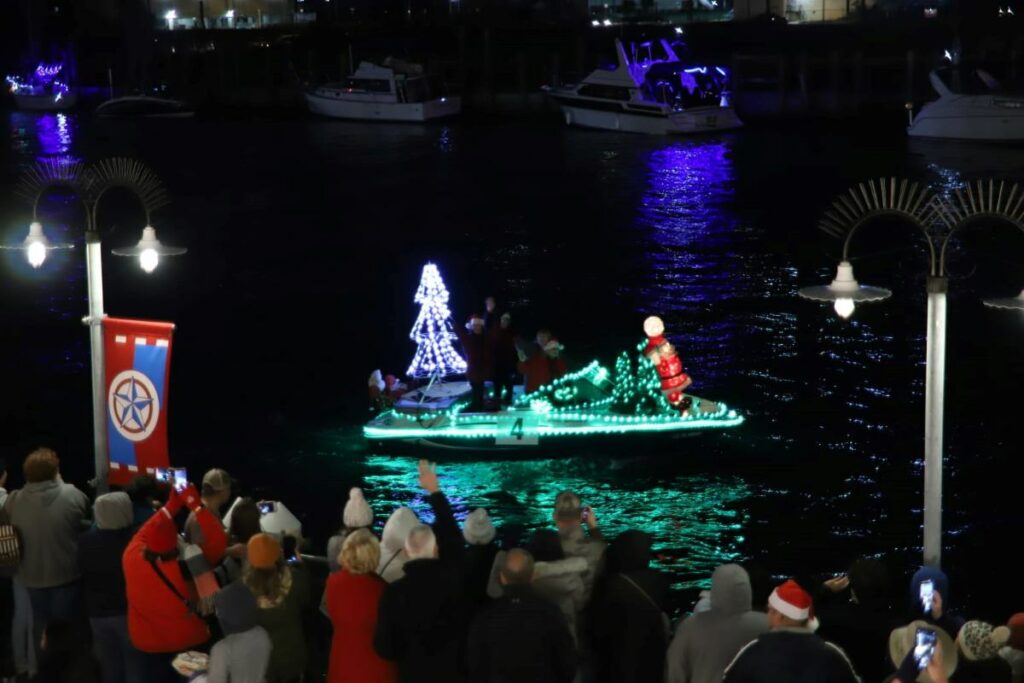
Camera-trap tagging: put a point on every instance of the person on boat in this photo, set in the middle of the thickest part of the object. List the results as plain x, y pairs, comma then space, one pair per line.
376, 387
544, 365
504, 358
490, 313
474, 343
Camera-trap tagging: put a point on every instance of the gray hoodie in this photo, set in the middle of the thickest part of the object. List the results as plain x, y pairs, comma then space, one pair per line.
705, 643
48, 515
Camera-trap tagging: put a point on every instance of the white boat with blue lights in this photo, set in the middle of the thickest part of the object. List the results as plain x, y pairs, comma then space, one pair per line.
587, 406
648, 94
392, 91
43, 90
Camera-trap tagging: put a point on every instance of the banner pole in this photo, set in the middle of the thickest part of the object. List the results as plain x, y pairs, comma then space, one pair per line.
94, 274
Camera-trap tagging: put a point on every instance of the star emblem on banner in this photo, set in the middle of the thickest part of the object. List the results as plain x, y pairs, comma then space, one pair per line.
134, 405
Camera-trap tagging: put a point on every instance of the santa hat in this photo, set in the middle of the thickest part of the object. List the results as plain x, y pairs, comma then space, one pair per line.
478, 529
553, 345
161, 535
376, 380
474, 318
1016, 626
358, 512
792, 601
654, 328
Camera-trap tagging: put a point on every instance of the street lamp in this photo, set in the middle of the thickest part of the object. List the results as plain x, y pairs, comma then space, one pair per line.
938, 219
90, 185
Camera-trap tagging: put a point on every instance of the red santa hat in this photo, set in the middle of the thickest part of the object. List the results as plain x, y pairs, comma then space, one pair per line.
790, 600
654, 328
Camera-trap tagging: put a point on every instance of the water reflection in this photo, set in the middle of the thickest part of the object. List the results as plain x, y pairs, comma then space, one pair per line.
697, 520
40, 136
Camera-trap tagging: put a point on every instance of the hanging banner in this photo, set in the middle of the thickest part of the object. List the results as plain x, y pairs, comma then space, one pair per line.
138, 367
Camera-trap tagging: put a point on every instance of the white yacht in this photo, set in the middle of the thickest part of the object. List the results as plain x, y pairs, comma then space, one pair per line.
971, 106
392, 91
644, 94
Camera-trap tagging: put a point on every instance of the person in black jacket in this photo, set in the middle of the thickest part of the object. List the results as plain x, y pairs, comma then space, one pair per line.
522, 636
423, 616
64, 656
630, 626
479, 532
790, 652
99, 560
856, 615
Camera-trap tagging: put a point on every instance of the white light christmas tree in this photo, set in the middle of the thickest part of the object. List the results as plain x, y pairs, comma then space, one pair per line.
435, 356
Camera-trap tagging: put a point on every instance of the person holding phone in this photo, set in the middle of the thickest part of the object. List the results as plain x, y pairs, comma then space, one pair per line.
216, 492
922, 652
570, 517
929, 594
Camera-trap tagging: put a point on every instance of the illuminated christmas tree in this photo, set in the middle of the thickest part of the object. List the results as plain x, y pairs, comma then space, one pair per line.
435, 356
638, 388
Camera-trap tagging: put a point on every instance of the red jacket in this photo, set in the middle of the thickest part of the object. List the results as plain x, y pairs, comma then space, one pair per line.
352, 602
158, 620
540, 369
478, 356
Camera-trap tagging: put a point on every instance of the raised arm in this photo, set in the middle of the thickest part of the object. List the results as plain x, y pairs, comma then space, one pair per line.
446, 529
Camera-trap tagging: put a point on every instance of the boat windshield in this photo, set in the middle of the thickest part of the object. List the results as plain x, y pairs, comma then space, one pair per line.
969, 81
686, 85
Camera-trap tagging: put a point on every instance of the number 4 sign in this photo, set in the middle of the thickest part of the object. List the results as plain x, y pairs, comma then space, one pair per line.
515, 430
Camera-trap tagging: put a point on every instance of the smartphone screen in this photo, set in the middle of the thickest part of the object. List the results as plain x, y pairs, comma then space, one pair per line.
927, 595
180, 478
924, 647
266, 507
288, 550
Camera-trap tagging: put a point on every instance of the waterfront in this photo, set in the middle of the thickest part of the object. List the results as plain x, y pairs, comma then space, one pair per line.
306, 238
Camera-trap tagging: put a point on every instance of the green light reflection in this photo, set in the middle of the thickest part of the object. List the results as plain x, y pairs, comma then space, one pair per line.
695, 519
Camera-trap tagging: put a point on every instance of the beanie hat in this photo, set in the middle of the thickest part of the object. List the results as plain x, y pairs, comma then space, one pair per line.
901, 642
397, 528
236, 608
161, 535
793, 602
357, 511
264, 551
1016, 625
113, 511
978, 640
478, 529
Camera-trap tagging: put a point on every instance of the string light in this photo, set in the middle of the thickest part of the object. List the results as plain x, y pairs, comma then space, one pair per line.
432, 332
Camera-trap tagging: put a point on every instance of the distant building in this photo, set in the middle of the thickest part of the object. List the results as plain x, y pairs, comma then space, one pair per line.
175, 14
798, 10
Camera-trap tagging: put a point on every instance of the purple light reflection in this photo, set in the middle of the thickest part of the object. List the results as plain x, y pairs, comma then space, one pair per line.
55, 134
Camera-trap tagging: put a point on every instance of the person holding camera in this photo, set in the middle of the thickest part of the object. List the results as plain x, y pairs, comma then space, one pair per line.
281, 586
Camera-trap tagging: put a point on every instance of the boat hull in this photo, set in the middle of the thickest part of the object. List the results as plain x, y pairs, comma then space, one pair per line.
45, 102
694, 121
383, 111
969, 119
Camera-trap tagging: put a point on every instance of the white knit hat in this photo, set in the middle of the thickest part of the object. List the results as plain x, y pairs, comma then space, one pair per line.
477, 529
357, 511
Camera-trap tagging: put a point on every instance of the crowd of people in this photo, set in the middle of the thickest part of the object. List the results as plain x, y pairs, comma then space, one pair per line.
153, 584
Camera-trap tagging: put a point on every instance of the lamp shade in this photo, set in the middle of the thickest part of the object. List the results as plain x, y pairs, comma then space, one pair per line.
844, 286
149, 242
1012, 304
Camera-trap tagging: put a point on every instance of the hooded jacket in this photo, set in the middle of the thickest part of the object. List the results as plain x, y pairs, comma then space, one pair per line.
48, 515
948, 622
790, 655
158, 621
705, 643
392, 544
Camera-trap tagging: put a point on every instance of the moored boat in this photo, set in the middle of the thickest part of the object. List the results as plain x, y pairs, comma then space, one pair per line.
43, 90
650, 95
143, 106
393, 91
975, 108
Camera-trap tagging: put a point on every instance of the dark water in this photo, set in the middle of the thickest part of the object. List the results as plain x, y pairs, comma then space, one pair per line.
306, 239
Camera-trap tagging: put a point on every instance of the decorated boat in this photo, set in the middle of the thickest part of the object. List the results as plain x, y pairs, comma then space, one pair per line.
43, 90
644, 396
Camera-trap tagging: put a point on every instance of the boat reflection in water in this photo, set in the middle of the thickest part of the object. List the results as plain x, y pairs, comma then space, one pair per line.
697, 521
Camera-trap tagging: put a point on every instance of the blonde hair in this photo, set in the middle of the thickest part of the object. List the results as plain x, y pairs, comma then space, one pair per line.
360, 553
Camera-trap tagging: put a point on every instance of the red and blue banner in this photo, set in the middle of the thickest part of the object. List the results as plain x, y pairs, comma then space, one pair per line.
138, 367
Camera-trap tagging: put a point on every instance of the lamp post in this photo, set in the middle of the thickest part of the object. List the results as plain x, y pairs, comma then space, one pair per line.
938, 219
90, 185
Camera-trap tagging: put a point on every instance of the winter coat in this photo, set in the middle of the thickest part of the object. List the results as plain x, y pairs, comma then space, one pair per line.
503, 351
422, 619
283, 620
559, 582
1016, 660
996, 670
48, 515
194, 535
99, 561
352, 602
790, 655
950, 622
240, 657
521, 637
705, 643
478, 561
629, 627
862, 631
591, 548
478, 356
540, 369
158, 621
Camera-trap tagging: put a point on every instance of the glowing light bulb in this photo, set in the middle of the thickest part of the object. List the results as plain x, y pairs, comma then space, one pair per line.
149, 260
844, 308
36, 253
